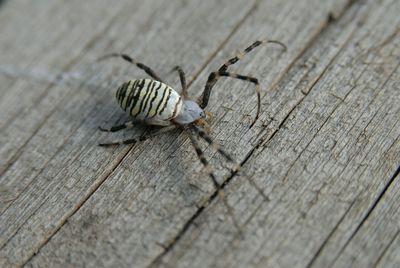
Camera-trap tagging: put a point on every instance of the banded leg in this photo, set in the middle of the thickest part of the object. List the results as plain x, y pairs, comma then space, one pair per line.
214, 76
249, 79
202, 134
115, 128
237, 166
145, 68
183, 80
220, 193
141, 138
239, 56
203, 160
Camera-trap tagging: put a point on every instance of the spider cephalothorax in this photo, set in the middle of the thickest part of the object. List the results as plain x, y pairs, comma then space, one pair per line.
152, 102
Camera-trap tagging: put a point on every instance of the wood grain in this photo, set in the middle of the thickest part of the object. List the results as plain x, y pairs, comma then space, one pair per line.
319, 182
376, 240
61, 165
322, 169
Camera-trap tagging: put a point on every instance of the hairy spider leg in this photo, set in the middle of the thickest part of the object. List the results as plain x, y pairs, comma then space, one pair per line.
222, 71
211, 174
182, 79
140, 65
140, 138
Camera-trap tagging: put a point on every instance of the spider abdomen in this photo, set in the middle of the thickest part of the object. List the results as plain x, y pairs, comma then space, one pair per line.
147, 99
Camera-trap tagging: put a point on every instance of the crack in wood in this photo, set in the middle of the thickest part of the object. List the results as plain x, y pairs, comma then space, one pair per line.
260, 141
383, 84
375, 202
223, 43
373, 206
313, 40
386, 249
319, 251
71, 63
65, 69
76, 208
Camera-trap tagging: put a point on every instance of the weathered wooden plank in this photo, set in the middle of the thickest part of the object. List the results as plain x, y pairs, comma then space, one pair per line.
46, 97
29, 36
376, 238
61, 165
381, 134
391, 256
323, 169
139, 209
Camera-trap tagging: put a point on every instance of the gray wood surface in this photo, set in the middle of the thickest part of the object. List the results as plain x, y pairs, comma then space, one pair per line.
319, 183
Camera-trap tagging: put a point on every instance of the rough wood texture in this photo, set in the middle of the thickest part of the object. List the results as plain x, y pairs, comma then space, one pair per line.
319, 185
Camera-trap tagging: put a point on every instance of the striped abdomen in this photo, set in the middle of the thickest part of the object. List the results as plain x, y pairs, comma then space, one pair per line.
149, 99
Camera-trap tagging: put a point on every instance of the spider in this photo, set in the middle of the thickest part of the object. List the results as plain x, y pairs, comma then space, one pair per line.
152, 102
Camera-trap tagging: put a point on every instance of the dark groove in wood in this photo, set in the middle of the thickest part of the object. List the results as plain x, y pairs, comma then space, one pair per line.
318, 252
373, 206
71, 63
76, 209
224, 42
386, 249
175, 240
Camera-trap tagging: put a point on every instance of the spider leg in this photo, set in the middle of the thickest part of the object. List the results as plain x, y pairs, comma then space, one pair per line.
220, 192
131, 124
239, 56
251, 80
183, 80
214, 76
203, 160
202, 134
119, 142
115, 128
156, 122
140, 65
141, 138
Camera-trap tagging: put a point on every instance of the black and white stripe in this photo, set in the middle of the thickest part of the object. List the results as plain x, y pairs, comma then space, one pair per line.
146, 99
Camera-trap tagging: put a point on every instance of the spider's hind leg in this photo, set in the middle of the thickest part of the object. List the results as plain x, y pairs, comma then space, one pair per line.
119, 142
115, 128
129, 59
182, 78
141, 138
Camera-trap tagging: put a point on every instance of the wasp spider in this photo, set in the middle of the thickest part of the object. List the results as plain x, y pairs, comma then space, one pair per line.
152, 102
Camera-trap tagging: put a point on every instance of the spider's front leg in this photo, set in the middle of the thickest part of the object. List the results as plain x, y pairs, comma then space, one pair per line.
213, 78
251, 80
202, 134
204, 161
222, 71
